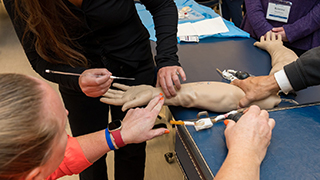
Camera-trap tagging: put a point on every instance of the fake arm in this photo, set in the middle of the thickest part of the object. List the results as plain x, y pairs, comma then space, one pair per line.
213, 96
280, 55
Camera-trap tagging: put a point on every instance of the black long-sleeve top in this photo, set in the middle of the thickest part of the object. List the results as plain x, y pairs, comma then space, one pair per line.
305, 71
110, 30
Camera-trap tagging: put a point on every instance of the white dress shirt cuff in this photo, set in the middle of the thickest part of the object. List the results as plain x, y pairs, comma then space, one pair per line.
283, 81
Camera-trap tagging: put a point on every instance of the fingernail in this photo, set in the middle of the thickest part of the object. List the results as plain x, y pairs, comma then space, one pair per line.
161, 94
161, 98
226, 122
166, 131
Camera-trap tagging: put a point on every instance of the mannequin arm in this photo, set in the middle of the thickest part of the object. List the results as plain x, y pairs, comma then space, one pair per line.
213, 96
280, 55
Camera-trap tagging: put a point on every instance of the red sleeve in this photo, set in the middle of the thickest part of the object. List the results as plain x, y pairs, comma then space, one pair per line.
74, 160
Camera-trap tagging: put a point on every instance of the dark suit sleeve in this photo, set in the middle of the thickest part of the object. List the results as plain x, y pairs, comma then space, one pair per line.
305, 71
38, 63
165, 17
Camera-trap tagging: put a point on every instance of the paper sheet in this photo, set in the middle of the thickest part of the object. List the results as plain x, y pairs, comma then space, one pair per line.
204, 27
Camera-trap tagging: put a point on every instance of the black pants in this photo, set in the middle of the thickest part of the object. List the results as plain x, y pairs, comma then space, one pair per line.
88, 115
231, 9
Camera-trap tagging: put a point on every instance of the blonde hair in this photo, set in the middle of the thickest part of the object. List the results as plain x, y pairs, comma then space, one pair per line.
26, 138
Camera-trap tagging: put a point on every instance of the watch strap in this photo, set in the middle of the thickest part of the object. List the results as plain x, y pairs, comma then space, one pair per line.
118, 138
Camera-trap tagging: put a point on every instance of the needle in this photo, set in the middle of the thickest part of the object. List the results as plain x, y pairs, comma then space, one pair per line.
76, 74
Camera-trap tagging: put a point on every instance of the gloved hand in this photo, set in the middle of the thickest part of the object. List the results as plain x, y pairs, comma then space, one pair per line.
280, 55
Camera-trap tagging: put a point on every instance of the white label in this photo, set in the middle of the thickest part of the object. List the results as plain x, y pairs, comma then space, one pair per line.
278, 12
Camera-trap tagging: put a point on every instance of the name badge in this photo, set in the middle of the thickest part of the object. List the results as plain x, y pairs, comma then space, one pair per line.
278, 10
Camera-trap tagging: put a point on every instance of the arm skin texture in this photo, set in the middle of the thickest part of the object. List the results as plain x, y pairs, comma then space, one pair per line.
213, 96
247, 143
257, 88
280, 55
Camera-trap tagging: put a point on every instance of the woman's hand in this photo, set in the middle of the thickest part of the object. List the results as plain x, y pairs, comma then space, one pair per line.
168, 77
95, 82
138, 123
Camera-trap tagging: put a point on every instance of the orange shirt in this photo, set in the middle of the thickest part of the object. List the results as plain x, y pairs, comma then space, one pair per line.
74, 160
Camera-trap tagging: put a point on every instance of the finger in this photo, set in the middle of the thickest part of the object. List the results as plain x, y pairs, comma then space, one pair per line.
262, 38
245, 111
182, 74
176, 81
115, 92
229, 126
264, 114
276, 29
235, 82
257, 43
138, 101
158, 132
244, 102
273, 36
254, 109
121, 86
158, 106
279, 37
153, 103
164, 88
158, 82
116, 102
271, 123
268, 36
170, 86
112, 96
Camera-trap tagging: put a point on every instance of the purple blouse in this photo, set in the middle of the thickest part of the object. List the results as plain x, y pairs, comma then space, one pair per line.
302, 29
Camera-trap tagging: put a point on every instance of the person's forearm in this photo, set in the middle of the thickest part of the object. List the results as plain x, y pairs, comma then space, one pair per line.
165, 17
305, 71
239, 166
94, 145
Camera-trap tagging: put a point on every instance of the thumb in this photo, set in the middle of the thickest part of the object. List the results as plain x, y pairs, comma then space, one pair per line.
235, 82
244, 102
229, 123
257, 43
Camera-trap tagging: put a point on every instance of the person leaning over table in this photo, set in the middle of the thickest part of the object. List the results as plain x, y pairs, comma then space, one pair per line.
98, 39
296, 73
36, 145
300, 33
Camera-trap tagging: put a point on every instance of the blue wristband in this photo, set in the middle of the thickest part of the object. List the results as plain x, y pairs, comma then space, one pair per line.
109, 141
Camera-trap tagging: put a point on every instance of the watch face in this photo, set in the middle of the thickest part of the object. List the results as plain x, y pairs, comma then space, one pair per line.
114, 125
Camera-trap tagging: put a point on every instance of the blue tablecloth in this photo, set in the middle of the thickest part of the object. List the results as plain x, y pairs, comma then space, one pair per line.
207, 12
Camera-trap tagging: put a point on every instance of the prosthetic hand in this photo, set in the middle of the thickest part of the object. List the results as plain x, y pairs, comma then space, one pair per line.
213, 96
264, 86
280, 55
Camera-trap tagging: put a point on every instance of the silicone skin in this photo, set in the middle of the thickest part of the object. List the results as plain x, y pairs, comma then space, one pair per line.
212, 96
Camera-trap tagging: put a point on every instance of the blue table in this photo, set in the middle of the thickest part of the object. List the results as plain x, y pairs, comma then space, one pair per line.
295, 145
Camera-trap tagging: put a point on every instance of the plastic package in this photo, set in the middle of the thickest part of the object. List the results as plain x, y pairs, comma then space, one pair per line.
188, 13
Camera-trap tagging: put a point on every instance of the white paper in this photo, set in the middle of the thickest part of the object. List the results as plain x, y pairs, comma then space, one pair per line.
203, 27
